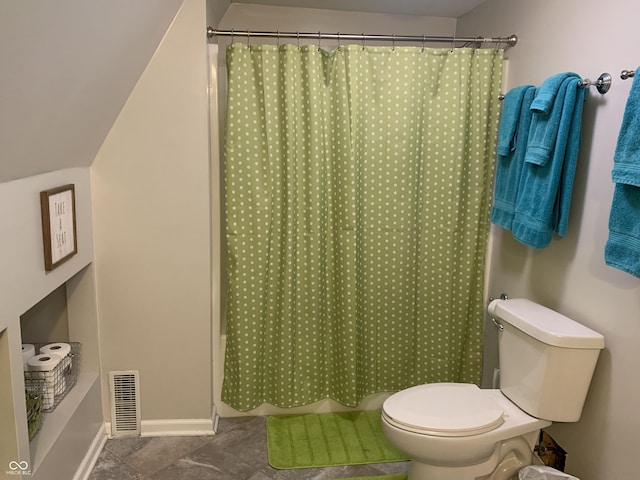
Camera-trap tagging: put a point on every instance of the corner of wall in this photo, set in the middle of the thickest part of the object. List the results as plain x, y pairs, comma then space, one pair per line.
216, 10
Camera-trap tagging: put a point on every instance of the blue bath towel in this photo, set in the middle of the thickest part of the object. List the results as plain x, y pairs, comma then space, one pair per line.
512, 144
544, 196
622, 250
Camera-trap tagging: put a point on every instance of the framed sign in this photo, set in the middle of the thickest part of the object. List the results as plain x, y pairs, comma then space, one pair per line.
58, 207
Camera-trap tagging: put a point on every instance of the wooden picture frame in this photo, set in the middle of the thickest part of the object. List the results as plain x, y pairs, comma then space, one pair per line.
59, 236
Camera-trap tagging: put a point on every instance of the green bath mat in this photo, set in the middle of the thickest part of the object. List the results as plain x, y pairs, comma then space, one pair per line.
399, 476
328, 439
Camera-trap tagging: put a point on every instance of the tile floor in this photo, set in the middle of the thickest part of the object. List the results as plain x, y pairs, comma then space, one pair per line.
237, 452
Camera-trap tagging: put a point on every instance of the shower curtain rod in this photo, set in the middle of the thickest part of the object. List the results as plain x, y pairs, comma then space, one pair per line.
511, 40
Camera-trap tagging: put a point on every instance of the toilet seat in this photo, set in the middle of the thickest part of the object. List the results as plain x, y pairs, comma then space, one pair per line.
443, 409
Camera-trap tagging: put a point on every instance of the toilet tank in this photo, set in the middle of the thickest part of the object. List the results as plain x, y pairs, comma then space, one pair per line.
546, 359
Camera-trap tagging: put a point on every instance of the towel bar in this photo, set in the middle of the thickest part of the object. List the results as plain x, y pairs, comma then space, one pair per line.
603, 84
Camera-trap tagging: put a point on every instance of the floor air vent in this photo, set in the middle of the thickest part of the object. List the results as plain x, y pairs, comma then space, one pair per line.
125, 403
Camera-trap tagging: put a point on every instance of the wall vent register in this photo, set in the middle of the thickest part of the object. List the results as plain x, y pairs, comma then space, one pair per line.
125, 403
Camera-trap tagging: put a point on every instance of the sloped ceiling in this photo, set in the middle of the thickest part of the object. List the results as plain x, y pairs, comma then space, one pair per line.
67, 68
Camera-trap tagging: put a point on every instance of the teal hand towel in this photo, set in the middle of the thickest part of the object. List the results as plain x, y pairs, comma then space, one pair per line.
514, 132
548, 91
544, 196
626, 166
547, 117
510, 119
622, 250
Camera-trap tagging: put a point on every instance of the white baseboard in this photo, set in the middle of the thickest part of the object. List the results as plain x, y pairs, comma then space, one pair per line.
89, 460
178, 427
172, 428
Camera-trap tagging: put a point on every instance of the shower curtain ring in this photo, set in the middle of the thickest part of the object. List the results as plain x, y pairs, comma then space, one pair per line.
248, 38
278, 38
423, 40
339, 41
319, 37
362, 40
393, 44
298, 35
232, 35
453, 44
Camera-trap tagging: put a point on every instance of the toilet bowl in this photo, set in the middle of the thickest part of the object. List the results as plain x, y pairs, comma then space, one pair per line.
454, 431
457, 431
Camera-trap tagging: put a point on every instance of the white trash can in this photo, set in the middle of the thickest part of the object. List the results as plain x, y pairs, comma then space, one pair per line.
537, 472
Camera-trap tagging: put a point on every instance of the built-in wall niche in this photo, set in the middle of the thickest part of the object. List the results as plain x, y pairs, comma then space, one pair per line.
47, 321
67, 314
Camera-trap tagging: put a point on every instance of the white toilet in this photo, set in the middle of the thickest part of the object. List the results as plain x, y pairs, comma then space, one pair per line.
457, 431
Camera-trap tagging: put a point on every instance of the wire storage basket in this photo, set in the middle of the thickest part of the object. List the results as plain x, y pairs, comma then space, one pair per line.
52, 385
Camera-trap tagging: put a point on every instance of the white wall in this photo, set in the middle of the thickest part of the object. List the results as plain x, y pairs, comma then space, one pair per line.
215, 11
242, 17
150, 185
588, 37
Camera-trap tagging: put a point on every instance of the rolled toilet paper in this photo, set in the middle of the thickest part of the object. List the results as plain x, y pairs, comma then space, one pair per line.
63, 350
45, 364
28, 351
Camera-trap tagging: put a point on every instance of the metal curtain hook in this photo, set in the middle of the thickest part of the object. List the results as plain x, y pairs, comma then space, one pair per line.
248, 38
423, 40
278, 38
393, 47
362, 40
319, 38
298, 35
453, 44
232, 35
339, 41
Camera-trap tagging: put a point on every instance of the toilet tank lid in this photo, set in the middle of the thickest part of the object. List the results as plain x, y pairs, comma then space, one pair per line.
544, 324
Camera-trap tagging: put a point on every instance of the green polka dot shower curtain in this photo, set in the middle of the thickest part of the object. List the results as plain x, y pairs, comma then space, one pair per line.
357, 190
